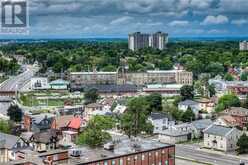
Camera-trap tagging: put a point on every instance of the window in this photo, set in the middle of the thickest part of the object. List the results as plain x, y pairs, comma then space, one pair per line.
105, 162
121, 162
156, 153
143, 157
113, 162
166, 162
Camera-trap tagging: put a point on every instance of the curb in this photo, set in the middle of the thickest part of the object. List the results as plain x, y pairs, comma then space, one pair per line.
192, 160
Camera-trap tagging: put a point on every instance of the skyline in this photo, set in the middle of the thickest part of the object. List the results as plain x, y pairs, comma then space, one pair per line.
116, 18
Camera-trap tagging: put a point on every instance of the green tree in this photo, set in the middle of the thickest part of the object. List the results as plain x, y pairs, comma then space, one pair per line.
211, 89
228, 77
91, 96
155, 102
188, 115
134, 121
95, 133
244, 76
187, 92
227, 101
243, 144
5, 126
15, 113
245, 104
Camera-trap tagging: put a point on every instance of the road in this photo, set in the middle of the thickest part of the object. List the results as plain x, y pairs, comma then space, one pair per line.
191, 152
17, 82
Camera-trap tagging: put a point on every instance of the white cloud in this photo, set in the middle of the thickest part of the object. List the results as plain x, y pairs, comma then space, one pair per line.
217, 31
239, 22
179, 23
215, 20
121, 20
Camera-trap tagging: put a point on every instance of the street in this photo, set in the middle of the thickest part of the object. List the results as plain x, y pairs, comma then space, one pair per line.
197, 154
17, 82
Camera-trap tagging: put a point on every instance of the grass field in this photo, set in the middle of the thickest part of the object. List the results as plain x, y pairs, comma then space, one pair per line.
49, 98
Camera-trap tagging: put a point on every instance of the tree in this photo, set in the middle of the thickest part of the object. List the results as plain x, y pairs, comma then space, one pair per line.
187, 92
95, 135
91, 96
215, 68
15, 113
188, 115
5, 126
245, 104
155, 102
243, 144
227, 101
211, 89
228, 77
244, 76
134, 121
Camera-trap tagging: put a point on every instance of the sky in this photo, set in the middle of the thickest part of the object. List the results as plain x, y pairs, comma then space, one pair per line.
117, 18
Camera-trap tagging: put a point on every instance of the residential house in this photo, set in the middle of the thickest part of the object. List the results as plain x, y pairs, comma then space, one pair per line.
221, 138
193, 105
9, 144
120, 109
206, 104
227, 121
199, 126
60, 123
90, 108
239, 114
160, 121
37, 123
45, 141
173, 136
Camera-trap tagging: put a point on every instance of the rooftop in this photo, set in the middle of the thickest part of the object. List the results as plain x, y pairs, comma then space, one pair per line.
123, 146
188, 102
59, 82
218, 130
7, 140
174, 133
202, 124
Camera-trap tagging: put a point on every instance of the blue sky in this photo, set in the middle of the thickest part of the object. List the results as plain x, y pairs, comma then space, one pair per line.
117, 18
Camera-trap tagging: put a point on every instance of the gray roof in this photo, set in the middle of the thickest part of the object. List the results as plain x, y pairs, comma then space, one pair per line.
218, 130
59, 82
7, 140
202, 124
158, 116
174, 133
188, 102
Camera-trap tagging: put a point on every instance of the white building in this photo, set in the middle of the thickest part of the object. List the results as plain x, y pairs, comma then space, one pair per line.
160, 122
221, 138
158, 40
193, 105
39, 83
243, 46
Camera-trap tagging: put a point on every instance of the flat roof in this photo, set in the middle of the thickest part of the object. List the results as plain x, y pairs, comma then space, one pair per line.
123, 146
86, 73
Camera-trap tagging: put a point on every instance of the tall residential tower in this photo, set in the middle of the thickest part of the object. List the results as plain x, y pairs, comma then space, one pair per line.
139, 40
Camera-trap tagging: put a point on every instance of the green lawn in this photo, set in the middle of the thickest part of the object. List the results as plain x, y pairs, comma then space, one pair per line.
48, 98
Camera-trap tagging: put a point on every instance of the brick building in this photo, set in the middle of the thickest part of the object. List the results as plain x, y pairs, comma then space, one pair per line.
239, 114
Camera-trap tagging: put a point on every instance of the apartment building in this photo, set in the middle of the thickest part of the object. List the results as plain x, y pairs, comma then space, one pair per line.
243, 46
140, 40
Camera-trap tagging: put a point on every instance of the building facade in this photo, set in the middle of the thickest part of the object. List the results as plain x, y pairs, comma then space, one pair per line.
243, 46
139, 79
139, 40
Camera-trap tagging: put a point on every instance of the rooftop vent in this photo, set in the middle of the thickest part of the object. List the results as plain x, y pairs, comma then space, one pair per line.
109, 146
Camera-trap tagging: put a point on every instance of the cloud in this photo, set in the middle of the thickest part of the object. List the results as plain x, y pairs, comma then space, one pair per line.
239, 22
217, 31
121, 20
179, 23
215, 20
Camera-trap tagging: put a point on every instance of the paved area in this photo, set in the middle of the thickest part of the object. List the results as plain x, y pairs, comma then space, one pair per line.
185, 162
194, 153
17, 82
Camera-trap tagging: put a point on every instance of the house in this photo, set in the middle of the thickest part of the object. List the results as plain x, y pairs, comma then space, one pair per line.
37, 123
90, 108
239, 114
184, 105
120, 109
173, 136
59, 84
199, 126
44, 141
60, 123
9, 144
186, 127
221, 138
160, 121
227, 121
206, 104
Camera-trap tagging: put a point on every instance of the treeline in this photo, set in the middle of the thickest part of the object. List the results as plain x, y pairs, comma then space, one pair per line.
198, 57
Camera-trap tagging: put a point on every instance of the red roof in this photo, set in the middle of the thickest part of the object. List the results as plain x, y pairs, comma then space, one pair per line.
75, 123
